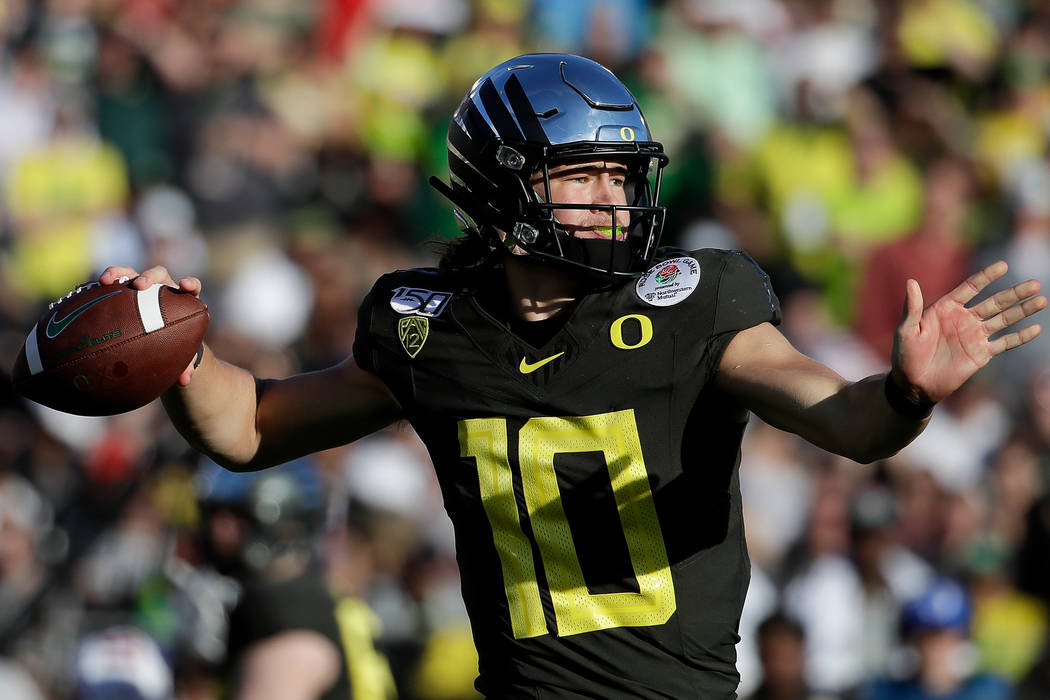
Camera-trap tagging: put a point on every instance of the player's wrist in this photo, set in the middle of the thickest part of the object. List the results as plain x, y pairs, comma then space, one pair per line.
903, 404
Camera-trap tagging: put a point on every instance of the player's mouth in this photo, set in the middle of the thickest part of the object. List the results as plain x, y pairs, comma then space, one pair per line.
602, 232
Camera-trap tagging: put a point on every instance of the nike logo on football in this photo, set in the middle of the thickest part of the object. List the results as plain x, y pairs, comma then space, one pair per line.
55, 327
526, 368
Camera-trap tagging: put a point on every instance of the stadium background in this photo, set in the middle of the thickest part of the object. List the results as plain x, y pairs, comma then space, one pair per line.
278, 149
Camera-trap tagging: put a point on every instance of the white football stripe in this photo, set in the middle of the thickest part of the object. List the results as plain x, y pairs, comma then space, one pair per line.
149, 308
33, 353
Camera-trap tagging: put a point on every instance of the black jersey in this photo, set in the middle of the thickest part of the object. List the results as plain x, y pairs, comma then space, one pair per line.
591, 481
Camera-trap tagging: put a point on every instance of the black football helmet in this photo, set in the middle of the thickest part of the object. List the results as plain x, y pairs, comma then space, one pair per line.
531, 113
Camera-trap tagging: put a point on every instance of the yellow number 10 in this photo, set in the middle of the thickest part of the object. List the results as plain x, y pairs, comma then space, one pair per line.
576, 610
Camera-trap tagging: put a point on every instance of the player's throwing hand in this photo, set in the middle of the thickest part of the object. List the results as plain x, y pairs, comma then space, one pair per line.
149, 277
937, 349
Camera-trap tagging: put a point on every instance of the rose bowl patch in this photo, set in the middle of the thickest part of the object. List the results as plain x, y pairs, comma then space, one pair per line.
669, 282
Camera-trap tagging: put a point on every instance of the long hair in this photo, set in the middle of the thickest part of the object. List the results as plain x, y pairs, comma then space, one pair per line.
465, 253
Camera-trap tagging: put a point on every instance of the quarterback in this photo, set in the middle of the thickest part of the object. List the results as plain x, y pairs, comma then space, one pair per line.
583, 393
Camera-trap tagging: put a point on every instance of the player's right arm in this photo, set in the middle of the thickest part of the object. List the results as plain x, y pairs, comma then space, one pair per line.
936, 350
245, 424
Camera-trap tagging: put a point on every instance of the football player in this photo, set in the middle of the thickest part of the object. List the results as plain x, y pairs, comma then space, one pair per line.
583, 393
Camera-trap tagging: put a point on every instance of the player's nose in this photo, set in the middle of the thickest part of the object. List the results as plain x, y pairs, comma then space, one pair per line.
606, 192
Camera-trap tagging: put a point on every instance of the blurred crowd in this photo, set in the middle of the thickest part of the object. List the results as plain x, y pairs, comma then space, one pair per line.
279, 149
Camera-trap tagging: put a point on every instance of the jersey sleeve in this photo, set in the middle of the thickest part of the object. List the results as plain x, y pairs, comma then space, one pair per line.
745, 296
364, 346
378, 346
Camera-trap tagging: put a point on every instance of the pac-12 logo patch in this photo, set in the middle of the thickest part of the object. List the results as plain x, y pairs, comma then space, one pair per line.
413, 332
669, 282
425, 302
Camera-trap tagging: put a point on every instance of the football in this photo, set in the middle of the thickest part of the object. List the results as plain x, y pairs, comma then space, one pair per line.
107, 349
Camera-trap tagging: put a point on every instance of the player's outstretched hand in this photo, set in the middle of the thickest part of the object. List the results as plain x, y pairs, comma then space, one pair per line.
145, 280
937, 349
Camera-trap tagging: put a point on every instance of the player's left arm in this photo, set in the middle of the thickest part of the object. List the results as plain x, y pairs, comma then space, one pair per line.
935, 351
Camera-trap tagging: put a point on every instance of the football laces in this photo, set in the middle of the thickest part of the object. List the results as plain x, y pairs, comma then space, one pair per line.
81, 287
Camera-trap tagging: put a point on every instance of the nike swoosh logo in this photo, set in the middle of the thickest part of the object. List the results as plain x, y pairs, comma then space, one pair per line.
526, 368
55, 327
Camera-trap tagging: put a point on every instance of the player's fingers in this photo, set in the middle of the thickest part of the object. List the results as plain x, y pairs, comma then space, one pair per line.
912, 305
114, 272
1014, 314
1012, 340
191, 285
152, 276
973, 284
187, 374
1006, 298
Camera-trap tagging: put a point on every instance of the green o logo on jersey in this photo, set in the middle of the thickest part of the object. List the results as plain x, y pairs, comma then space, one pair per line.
645, 329
413, 331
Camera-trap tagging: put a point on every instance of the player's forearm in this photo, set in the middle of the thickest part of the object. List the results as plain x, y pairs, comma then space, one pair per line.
791, 391
216, 412
319, 410
247, 424
852, 419
858, 422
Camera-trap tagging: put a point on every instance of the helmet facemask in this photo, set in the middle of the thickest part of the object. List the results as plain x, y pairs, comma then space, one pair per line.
628, 247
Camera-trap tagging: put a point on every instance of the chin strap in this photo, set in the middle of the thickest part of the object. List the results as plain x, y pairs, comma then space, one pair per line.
606, 255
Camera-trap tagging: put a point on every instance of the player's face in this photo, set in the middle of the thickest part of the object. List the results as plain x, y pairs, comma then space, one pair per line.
598, 182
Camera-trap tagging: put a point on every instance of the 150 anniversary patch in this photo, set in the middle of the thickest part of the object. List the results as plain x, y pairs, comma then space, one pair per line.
414, 300
669, 282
